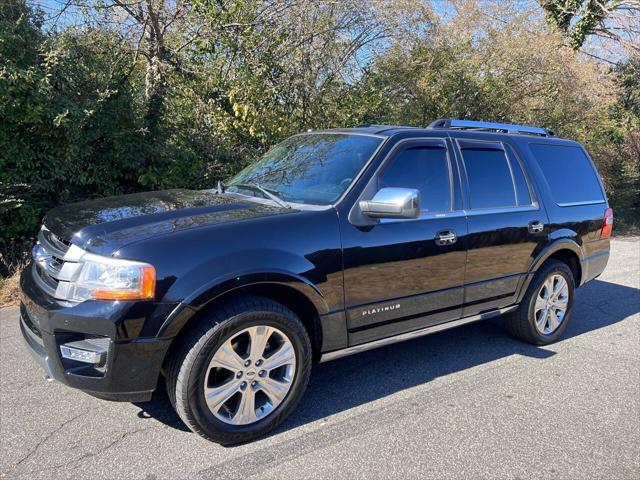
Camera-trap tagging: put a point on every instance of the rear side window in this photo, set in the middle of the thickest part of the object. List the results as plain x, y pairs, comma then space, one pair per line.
569, 173
490, 183
425, 168
494, 175
488, 175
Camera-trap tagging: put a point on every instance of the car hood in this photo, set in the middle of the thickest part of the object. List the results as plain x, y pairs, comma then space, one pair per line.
107, 224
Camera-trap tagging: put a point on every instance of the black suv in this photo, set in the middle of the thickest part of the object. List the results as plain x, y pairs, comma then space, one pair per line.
333, 243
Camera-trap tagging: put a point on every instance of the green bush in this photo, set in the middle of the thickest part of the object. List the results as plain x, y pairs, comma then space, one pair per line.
69, 126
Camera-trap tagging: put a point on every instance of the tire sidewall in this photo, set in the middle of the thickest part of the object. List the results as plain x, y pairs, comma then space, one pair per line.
196, 402
553, 269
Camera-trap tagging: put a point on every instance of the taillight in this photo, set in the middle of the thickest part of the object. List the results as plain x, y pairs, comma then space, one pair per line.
607, 223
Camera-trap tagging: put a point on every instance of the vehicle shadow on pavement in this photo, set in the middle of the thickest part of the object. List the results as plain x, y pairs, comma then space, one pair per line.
160, 409
352, 381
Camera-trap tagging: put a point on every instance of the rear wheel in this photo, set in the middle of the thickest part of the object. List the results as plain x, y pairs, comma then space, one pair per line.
543, 315
242, 372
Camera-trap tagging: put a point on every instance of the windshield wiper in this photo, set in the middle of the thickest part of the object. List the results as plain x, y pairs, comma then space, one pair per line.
266, 192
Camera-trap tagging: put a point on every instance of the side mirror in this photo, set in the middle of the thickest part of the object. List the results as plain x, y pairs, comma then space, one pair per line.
392, 203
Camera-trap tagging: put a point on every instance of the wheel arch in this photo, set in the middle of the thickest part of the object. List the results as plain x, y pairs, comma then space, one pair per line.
295, 293
572, 260
565, 250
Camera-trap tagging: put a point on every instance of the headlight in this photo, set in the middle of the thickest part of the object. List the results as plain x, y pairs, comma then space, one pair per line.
105, 278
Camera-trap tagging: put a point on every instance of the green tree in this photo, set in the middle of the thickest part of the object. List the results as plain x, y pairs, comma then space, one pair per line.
475, 67
577, 19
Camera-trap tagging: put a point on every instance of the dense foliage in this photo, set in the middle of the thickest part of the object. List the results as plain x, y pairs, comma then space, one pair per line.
578, 19
129, 97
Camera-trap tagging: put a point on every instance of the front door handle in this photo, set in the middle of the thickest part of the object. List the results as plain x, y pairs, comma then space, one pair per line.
536, 226
447, 237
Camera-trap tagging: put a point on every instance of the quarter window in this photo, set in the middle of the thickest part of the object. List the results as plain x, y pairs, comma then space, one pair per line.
425, 168
569, 173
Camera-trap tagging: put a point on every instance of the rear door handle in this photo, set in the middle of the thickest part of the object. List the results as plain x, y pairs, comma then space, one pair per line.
447, 237
536, 226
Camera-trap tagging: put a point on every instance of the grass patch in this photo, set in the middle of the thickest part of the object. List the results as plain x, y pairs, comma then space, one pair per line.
10, 288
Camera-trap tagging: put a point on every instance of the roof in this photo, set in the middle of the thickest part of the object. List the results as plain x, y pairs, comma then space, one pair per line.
385, 130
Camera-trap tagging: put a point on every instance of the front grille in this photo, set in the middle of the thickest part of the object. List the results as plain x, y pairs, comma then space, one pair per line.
49, 260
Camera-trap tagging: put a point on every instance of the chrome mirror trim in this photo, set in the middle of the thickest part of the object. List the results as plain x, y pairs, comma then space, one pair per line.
391, 202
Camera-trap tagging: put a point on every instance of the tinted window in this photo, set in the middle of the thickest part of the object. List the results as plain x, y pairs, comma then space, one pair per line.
489, 176
425, 169
312, 168
522, 189
569, 173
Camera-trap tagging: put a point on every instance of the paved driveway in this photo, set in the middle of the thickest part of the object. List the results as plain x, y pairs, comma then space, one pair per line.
468, 403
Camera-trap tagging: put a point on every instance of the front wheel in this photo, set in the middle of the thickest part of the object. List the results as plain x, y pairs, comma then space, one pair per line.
543, 315
242, 372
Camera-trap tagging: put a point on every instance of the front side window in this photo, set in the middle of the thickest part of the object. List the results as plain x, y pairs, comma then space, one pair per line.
311, 168
425, 168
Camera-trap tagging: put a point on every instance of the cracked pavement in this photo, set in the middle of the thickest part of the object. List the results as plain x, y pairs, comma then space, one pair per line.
466, 403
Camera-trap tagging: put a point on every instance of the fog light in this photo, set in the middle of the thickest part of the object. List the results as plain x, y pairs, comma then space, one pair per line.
83, 351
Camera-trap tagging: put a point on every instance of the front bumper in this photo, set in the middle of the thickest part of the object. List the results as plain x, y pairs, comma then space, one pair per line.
133, 360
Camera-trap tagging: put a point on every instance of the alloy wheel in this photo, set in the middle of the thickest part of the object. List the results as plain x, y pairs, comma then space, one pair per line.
250, 375
551, 304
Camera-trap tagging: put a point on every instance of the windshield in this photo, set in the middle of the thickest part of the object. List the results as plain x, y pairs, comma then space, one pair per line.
311, 168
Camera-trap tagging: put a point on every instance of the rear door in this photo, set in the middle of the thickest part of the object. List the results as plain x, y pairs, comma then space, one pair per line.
399, 275
506, 223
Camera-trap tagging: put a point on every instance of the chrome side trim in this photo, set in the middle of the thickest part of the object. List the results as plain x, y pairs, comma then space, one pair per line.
575, 204
487, 211
462, 213
327, 357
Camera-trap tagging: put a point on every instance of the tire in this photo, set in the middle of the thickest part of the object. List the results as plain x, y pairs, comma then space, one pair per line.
189, 367
524, 323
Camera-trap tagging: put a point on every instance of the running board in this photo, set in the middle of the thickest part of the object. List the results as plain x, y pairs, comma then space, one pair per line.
327, 357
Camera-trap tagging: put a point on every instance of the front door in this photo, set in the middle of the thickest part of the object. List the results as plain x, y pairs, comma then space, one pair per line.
405, 274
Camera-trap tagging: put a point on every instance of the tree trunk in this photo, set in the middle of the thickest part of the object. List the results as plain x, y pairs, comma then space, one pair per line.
155, 78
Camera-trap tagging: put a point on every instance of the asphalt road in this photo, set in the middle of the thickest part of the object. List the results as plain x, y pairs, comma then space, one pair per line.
468, 403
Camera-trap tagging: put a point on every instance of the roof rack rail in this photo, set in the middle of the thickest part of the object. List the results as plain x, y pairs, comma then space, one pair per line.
457, 124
